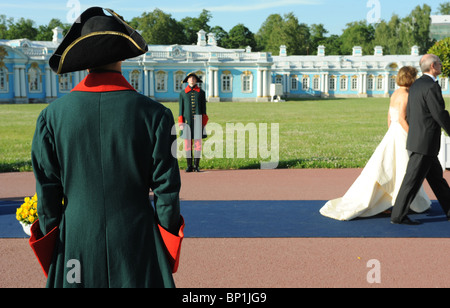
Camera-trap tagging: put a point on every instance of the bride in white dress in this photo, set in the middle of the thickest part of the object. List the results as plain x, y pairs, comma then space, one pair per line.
376, 188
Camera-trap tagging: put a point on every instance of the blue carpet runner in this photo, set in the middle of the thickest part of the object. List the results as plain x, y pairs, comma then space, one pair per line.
272, 219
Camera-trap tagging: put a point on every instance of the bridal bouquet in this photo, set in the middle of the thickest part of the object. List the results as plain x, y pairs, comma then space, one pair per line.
26, 214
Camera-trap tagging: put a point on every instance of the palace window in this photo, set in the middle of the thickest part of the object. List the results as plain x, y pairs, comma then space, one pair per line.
332, 83
3, 79
305, 83
443, 81
294, 83
316, 83
380, 83
135, 80
343, 85
392, 83
65, 82
34, 78
178, 78
161, 81
370, 82
227, 82
355, 83
247, 82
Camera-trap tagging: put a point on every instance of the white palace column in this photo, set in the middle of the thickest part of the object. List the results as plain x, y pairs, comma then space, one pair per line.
16, 82
216, 84
151, 80
363, 85
266, 83
213, 85
23, 83
259, 84
210, 84
262, 87
324, 87
286, 84
386, 84
48, 83
146, 82
20, 87
54, 81
149, 88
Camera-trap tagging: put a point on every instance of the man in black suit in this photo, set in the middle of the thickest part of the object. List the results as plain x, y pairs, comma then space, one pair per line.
426, 116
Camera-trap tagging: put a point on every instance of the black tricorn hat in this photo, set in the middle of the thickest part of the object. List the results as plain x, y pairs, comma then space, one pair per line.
96, 39
192, 74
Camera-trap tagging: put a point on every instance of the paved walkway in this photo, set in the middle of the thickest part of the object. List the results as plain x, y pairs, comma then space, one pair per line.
265, 262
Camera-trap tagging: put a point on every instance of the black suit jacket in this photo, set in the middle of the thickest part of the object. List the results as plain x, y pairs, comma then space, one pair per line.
426, 115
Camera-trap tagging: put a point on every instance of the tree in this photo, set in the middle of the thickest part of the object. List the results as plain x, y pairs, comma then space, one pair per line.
395, 36
191, 26
220, 34
24, 28
295, 35
277, 31
240, 37
444, 8
442, 50
269, 36
357, 34
317, 38
45, 33
159, 28
421, 22
3, 27
333, 45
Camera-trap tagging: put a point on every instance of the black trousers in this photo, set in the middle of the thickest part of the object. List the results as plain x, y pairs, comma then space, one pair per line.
421, 167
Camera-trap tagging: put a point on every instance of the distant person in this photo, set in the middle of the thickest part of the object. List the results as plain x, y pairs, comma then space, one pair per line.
192, 120
101, 148
376, 188
426, 116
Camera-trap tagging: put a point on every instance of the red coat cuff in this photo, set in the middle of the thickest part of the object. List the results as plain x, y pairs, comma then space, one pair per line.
43, 245
173, 244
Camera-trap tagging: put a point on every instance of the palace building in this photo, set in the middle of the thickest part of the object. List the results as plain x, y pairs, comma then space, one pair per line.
227, 74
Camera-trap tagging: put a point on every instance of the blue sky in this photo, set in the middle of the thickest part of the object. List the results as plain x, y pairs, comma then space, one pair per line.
334, 14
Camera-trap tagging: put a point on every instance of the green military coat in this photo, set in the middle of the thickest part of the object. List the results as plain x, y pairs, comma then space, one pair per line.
192, 105
101, 148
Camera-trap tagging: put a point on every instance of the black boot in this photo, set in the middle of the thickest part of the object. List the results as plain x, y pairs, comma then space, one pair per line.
196, 164
189, 164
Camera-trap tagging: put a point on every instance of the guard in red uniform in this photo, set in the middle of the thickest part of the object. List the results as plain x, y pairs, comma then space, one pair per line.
192, 120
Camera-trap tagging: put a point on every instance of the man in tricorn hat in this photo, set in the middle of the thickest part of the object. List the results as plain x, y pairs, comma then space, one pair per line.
101, 148
192, 119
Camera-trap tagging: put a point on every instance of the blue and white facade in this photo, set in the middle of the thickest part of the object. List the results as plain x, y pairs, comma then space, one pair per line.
227, 74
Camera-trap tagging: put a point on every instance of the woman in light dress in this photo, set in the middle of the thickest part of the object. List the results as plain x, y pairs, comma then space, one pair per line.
376, 189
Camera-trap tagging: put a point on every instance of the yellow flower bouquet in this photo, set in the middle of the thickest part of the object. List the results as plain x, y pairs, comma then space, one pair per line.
26, 214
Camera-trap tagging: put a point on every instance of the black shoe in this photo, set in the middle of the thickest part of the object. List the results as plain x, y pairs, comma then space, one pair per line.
406, 221
196, 164
189, 165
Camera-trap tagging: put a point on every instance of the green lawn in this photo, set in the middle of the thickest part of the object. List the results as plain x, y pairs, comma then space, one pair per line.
333, 133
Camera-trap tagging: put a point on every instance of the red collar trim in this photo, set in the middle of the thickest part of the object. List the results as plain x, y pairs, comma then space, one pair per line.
189, 89
103, 82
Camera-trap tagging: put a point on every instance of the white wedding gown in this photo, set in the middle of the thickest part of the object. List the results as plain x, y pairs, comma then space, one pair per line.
376, 189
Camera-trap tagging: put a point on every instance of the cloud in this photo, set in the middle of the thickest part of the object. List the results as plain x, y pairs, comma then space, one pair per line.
238, 7
33, 6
